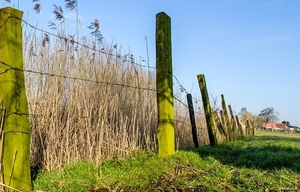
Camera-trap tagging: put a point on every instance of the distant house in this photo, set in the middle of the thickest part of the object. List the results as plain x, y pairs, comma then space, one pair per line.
294, 128
276, 126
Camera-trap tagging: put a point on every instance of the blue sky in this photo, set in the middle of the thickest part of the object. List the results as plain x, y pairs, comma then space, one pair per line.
249, 50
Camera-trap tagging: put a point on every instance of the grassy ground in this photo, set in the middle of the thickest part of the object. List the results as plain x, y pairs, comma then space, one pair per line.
265, 162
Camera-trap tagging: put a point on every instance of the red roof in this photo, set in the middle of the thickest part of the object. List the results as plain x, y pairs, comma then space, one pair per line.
275, 125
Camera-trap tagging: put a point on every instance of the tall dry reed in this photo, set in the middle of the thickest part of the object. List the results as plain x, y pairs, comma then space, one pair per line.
86, 104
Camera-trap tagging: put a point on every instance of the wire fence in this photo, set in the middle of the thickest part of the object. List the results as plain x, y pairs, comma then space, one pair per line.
72, 78
91, 80
73, 42
116, 119
102, 51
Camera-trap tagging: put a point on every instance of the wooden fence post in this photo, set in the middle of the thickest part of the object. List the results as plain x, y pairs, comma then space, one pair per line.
233, 123
192, 119
252, 128
16, 141
224, 124
247, 128
219, 125
207, 110
226, 117
239, 126
164, 86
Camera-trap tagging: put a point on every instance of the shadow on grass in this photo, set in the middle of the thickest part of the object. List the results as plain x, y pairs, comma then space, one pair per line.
258, 152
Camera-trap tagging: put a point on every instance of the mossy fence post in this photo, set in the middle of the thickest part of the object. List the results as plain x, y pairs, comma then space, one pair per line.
247, 128
207, 110
219, 125
15, 164
239, 126
226, 117
233, 123
164, 86
192, 119
252, 128
224, 124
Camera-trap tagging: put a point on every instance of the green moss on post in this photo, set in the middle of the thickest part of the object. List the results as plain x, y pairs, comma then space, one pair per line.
219, 125
207, 110
164, 86
239, 126
248, 128
252, 128
15, 163
224, 124
233, 123
226, 117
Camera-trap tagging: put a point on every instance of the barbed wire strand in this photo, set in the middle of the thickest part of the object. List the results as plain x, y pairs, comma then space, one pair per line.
83, 79
79, 117
72, 78
72, 41
101, 51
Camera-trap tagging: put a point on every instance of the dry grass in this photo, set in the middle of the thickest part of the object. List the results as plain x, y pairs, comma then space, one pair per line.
73, 119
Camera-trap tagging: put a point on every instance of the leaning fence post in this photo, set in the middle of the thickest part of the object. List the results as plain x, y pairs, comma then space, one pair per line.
16, 130
224, 124
219, 125
192, 118
207, 110
164, 86
239, 126
247, 128
233, 123
226, 117
252, 128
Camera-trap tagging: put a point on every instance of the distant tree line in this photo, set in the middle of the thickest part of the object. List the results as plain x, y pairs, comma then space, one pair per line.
267, 115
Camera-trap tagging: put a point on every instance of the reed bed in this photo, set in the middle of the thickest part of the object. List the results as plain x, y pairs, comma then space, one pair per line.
87, 105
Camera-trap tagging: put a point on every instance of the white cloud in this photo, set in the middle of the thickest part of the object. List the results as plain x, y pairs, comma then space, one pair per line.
72, 15
265, 41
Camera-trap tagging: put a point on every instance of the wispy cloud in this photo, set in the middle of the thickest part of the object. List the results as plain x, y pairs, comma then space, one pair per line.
72, 15
265, 41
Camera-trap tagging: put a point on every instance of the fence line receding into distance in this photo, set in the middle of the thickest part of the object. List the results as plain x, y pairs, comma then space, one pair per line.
89, 104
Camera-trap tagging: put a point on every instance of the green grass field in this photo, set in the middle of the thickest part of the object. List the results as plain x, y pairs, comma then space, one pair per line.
264, 162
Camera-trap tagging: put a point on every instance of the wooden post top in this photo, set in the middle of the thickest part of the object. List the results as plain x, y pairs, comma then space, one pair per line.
12, 11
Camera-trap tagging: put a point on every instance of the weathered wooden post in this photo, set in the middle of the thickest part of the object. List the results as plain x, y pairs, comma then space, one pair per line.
15, 164
224, 124
239, 126
164, 86
219, 125
226, 117
247, 127
207, 110
252, 128
192, 119
233, 123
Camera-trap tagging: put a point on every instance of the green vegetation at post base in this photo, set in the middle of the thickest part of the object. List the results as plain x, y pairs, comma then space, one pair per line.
256, 163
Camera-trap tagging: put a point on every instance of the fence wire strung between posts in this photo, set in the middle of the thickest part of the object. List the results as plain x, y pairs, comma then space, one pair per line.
89, 104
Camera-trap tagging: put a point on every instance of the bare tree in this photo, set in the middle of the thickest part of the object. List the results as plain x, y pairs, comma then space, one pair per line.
243, 111
269, 115
248, 116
